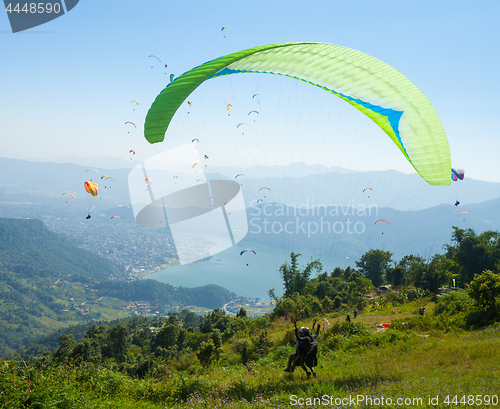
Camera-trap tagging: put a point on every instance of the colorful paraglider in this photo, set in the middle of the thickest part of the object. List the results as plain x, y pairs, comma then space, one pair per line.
382, 220
131, 123
244, 251
457, 174
154, 56
253, 112
92, 188
385, 95
67, 193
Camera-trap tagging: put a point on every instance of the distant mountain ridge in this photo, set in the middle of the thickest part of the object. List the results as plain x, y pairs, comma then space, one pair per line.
297, 183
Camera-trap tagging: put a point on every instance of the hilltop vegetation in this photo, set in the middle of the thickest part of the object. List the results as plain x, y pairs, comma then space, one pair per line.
46, 284
184, 360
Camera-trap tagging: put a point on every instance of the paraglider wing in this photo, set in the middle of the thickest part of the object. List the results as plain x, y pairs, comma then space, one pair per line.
134, 100
457, 174
378, 90
95, 170
367, 188
128, 122
463, 213
242, 123
240, 174
92, 188
264, 188
154, 56
115, 216
196, 164
67, 193
195, 139
244, 251
383, 220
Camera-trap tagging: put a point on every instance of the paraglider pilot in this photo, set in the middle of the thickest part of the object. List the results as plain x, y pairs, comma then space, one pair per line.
305, 350
457, 203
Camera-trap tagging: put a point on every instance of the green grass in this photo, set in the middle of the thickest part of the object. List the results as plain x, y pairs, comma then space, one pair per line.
398, 363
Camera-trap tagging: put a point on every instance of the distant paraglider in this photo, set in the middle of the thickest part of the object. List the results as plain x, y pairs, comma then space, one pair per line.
457, 174
154, 56
92, 188
131, 123
244, 251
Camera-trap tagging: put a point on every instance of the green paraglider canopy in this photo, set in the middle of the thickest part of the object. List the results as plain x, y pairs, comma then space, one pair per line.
378, 90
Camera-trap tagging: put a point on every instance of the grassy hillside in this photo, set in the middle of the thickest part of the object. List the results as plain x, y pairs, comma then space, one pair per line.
417, 365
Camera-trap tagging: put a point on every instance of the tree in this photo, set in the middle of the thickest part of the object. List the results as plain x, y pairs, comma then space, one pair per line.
484, 289
373, 264
119, 342
473, 253
66, 345
207, 352
241, 313
294, 280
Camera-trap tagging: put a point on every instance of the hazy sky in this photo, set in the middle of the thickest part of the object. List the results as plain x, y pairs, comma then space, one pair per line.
66, 86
